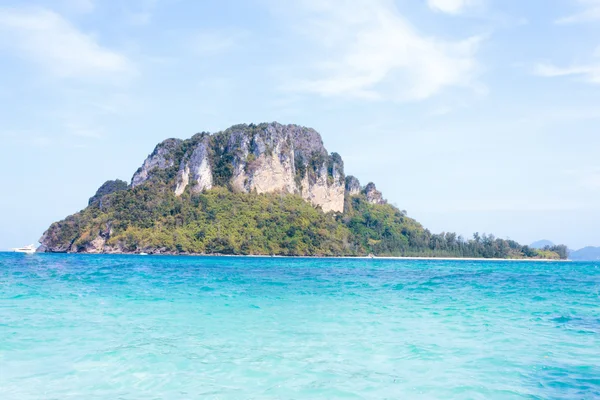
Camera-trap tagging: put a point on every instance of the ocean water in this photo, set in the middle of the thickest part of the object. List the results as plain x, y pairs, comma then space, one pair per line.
135, 327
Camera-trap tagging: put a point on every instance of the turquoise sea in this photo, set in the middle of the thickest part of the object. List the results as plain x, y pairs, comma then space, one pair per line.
146, 327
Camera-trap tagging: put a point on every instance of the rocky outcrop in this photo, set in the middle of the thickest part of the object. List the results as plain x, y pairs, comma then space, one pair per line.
287, 159
96, 246
195, 170
261, 158
353, 187
51, 243
370, 192
162, 157
373, 195
65, 237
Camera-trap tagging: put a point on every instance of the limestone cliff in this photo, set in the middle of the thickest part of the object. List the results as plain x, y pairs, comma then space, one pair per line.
352, 185
244, 159
373, 195
161, 158
252, 158
195, 171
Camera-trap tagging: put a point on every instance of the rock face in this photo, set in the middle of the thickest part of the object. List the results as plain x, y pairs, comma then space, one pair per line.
161, 158
373, 195
253, 158
370, 192
195, 170
59, 238
353, 187
50, 243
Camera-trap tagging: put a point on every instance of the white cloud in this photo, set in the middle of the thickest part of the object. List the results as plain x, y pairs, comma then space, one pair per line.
588, 178
212, 42
590, 12
587, 71
83, 131
590, 72
140, 18
440, 111
47, 38
80, 6
25, 138
369, 50
40, 141
144, 12
450, 6
591, 180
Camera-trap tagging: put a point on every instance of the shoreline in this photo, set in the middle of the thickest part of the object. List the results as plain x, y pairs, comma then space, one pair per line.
408, 258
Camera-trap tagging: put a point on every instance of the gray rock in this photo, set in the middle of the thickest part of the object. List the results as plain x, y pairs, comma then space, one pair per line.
268, 157
373, 195
162, 157
264, 158
353, 187
195, 170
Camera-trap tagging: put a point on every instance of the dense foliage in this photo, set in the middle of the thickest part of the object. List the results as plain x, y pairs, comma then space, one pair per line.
151, 218
107, 188
383, 229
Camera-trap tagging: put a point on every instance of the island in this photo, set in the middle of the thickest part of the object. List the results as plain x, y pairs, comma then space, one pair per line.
257, 189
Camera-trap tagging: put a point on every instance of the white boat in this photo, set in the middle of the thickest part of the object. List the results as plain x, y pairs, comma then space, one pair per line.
143, 254
25, 249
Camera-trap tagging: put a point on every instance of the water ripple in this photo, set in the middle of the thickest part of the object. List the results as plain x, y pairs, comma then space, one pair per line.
110, 327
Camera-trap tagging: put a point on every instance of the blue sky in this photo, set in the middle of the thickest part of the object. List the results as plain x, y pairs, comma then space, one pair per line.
472, 115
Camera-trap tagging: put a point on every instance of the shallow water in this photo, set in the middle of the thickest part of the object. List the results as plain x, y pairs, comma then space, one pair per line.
132, 327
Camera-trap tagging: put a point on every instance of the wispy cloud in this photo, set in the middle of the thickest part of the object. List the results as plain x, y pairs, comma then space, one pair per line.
440, 111
25, 138
80, 6
48, 39
144, 12
82, 131
506, 205
211, 42
588, 178
140, 18
40, 141
591, 180
588, 72
368, 50
590, 11
451, 6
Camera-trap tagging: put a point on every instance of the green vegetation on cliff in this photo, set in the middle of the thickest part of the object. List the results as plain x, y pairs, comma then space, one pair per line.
107, 188
151, 218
